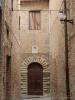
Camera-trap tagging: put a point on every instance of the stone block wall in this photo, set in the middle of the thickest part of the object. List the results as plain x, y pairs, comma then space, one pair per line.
57, 51
22, 41
57, 46
71, 32
50, 41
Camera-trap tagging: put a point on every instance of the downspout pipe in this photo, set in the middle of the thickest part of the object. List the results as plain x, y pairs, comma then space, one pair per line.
66, 53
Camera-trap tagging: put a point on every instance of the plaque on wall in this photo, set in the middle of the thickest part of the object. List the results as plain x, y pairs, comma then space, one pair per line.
34, 49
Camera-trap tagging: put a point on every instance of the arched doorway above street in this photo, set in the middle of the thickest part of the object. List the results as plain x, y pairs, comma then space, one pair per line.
37, 66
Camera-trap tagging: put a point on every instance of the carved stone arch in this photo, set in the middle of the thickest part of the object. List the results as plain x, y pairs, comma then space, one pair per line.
43, 61
46, 73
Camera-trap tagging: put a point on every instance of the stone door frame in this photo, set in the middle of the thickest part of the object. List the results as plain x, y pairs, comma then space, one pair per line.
46, 74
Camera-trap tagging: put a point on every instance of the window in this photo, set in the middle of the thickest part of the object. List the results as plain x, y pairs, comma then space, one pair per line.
34, 20
7, 30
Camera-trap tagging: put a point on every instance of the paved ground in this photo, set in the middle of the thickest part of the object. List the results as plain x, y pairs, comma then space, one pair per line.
37, 98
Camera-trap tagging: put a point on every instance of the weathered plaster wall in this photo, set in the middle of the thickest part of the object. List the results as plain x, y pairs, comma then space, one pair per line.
57, 51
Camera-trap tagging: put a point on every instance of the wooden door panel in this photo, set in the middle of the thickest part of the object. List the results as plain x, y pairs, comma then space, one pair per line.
35, 79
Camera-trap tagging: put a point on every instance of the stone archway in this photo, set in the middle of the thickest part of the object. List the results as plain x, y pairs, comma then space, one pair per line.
46, 74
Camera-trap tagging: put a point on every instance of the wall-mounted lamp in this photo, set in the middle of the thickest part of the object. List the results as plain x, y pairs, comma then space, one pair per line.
63, 17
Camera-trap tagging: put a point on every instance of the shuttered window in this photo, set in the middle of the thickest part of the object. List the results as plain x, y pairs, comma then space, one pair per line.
34, 20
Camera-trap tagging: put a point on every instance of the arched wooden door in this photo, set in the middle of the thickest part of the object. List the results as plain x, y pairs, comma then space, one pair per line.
35, 79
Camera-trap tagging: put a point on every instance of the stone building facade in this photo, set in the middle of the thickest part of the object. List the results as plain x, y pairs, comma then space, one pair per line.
26, 45
34, 45
35, 38
6, 50
57, 47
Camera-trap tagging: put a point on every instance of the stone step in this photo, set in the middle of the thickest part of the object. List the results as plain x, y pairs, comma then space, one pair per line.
35, 98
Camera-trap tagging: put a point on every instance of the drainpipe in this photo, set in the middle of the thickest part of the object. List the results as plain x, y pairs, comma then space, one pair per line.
66, 53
